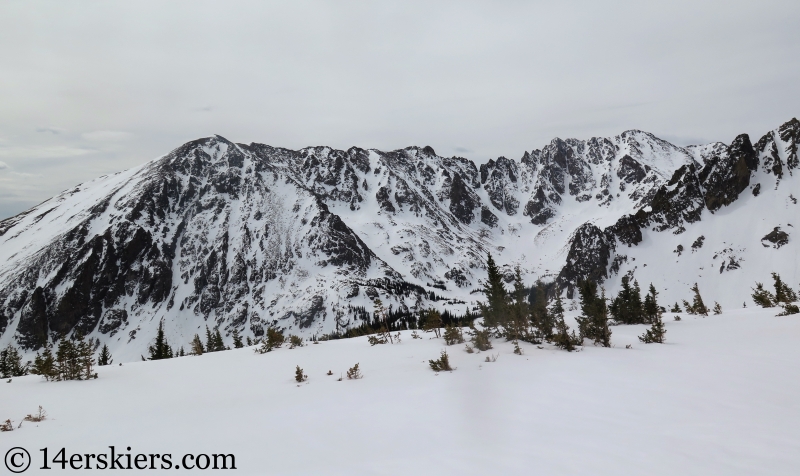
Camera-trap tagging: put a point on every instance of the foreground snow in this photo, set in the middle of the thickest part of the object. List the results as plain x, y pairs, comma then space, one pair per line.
719, 398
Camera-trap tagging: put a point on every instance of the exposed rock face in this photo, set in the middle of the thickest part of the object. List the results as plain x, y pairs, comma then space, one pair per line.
727, 175
244, 237
776, 238
588, 259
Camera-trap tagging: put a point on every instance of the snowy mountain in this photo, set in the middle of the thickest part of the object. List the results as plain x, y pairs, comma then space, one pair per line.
238, 236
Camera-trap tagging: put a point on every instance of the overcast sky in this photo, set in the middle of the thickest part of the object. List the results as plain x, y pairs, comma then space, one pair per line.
88, 88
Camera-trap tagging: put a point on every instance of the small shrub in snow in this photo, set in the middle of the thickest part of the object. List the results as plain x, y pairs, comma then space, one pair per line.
274, 340
41, 415
517, 348
492, 358
717, 308
414, 335
675, 308
453, 335
6, 426
354, 373
376, 339
329, 373
654, 335
789, 309
299, 376
470, 349
481, 339
295, 341
677, 318
442, 363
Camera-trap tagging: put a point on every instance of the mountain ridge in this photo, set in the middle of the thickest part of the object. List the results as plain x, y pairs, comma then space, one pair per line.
244, 236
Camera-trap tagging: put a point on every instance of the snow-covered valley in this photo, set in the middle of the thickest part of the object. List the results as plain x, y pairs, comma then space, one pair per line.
718, 398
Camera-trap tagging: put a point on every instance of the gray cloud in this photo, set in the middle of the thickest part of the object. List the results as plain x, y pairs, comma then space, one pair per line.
504, 77
51, 130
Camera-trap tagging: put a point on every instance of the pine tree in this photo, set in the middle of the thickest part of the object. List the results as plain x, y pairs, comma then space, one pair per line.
494, 310
654, 335
783, 293
219, 345
85, 358
539, 315
675, 308
44, 364
105, 356
627, 307
717, 308
69, 360
11, 363
651, 308
697, 302
431, 321
762, 297
299, 376
380, 315
160, 348
562, 337
274, 340
593, 324
196, 347
237, 340
210, 341
519, 312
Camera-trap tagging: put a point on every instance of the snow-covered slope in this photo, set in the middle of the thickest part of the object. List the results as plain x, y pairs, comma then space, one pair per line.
238, 236
718, 398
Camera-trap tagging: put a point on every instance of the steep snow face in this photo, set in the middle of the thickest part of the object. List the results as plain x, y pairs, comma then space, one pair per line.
242, 237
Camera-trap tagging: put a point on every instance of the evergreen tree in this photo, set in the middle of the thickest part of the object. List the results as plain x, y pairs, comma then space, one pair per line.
11, 363
85, 353
431, 321
651, 308
105, 356
181, 353
237, 340
627, 307
675, 308
654, 335
160, 348
196, 347
783, 293
717, 308
697, 302
562, 337
519, 312
299, 376
274, 340
45, 365
762, 297
219, 345
68, 361
210, 341
539, 315
494, 310
593, 324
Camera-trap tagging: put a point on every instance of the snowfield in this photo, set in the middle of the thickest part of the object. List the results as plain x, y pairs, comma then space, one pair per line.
720, 397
